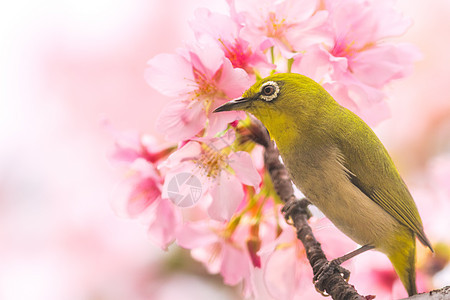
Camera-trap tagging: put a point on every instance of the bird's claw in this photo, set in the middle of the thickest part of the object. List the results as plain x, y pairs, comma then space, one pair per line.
326, 271
293, 205
290, 206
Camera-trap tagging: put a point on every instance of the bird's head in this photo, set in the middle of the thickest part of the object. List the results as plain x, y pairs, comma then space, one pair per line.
280, 100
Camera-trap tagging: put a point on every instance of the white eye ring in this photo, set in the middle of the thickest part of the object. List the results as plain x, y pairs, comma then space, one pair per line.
271, 96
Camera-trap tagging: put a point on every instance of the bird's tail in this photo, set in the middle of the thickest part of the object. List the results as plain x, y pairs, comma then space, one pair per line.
404, 262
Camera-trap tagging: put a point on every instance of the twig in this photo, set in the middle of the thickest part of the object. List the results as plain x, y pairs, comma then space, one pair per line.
440, 294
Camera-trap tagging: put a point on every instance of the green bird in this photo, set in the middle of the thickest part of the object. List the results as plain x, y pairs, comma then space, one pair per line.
340, 165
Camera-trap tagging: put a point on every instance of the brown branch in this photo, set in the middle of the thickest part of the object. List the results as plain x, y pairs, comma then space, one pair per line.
334, 285
440, 294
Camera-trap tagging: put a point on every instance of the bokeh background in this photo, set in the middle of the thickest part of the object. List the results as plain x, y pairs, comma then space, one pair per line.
66, 66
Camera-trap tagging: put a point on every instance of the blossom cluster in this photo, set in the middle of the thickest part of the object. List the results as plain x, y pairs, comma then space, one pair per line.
206, 189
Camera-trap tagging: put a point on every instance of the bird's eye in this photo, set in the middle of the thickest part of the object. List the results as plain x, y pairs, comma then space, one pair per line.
268, 90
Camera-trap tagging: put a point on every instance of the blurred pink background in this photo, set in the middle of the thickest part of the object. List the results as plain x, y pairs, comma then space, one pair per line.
67, 65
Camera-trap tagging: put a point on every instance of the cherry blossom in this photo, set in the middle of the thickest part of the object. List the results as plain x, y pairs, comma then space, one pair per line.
295, 279
232, 249
200, 78
221, 171
143, 201
221, 29
356, 62
220, 254
291, 25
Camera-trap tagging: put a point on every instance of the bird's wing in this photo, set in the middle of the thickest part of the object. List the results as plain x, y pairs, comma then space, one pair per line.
368, 165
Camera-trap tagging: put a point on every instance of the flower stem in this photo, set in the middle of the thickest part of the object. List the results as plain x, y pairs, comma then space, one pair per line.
289, 64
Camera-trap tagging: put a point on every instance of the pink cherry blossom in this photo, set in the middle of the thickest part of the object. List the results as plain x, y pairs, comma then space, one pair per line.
141, 154
286, 250
357, 63
291, 25
232, 249
201, 78
221, 171
164, 223
146, 189
359, 23
335, 76
295, 279
138, 153
144, 202
220, 254
379, 65
131, 145
221, 29
367, 102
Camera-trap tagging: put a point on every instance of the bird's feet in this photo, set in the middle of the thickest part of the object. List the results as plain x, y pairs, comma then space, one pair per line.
326, 271
294, 205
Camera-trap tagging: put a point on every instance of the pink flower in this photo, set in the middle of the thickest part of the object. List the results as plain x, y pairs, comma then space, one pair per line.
232, 249
165, 221
221, 172
357, 24
286, 250
146, 188
224, 31
336, 77
366, 101
219, 253
141, 154
201, 79
134, 146
131, 145
291, 25
145, 203
379, 65
356, 65
359, 29
294, 280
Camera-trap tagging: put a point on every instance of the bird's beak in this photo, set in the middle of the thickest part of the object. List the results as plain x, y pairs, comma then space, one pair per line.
236, 104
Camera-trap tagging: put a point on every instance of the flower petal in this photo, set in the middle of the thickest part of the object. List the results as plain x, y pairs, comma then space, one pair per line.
162, 230
242, 164
281, 282
206, 59
169, 74
233, 81
379, 65
318, 64
235, 265
189, 151
184, 185
227, 194
196, 234
181, 120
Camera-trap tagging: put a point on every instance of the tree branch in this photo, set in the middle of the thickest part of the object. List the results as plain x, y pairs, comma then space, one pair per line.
440, 294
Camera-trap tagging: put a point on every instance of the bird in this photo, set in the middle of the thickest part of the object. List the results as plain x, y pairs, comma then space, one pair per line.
336, 160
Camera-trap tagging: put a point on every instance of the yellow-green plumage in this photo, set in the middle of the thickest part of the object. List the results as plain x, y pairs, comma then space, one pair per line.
340, 165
